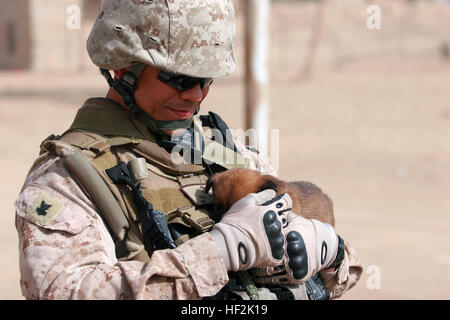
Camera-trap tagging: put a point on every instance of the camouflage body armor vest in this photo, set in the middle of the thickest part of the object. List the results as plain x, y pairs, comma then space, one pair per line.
105, 135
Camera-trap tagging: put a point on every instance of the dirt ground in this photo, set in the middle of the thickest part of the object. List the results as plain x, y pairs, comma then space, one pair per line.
373, 134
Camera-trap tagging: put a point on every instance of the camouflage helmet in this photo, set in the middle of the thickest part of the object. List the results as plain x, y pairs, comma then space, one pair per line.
194, 38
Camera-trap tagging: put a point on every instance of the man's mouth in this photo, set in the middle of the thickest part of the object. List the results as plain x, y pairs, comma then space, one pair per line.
182, 114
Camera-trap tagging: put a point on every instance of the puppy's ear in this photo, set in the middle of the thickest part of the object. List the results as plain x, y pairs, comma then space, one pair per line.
269, 184
209, 183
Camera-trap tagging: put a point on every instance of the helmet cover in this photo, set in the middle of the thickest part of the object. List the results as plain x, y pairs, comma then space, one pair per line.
194, 38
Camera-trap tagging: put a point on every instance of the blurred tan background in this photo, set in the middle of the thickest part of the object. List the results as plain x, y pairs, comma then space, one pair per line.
365, 114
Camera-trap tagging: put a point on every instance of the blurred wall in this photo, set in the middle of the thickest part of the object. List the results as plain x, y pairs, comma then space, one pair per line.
45, 35
41, 35
15, 34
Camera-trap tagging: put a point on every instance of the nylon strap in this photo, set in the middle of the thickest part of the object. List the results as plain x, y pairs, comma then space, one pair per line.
248, 284
126, 88
219, 154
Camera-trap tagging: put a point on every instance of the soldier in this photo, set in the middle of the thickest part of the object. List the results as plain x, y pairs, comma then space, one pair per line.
110, 211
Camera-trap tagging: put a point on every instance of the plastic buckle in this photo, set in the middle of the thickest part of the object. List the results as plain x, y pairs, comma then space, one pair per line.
200, 221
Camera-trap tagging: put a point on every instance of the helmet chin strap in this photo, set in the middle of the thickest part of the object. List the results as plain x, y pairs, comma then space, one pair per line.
126, 86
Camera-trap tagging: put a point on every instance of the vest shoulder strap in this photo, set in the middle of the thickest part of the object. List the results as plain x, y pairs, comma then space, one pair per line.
214, 121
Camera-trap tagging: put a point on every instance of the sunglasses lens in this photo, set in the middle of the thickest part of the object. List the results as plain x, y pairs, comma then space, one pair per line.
182, 83
188, 83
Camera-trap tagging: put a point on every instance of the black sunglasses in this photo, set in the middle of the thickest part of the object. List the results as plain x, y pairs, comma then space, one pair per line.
181, 82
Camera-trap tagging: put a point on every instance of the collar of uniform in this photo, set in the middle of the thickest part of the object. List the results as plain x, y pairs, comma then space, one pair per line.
108, 118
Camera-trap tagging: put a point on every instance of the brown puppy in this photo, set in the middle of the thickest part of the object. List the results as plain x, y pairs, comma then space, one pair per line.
307, 199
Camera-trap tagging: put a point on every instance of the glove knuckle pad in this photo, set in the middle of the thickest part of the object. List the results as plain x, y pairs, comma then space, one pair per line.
274, 234
273, 200
298, 258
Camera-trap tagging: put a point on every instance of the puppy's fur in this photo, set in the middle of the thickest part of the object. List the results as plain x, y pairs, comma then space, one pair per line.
307, 199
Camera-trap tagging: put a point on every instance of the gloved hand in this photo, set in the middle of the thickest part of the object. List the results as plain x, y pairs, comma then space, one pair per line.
250, 234
311, 246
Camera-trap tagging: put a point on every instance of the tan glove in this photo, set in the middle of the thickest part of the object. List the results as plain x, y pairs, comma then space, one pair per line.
311, 246
250, 234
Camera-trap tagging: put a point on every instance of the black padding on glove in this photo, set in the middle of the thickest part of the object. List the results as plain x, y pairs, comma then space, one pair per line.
298, 258
274, 234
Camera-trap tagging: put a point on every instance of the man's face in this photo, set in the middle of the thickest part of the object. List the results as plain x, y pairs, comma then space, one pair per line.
162, 102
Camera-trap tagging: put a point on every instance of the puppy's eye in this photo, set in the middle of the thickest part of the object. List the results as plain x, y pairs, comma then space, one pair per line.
217, 212
209, 184
219, 208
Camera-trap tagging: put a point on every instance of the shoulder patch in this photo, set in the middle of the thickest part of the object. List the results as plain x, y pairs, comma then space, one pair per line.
44, 209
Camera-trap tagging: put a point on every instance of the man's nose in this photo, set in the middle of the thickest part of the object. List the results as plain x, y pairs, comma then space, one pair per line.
194, 94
